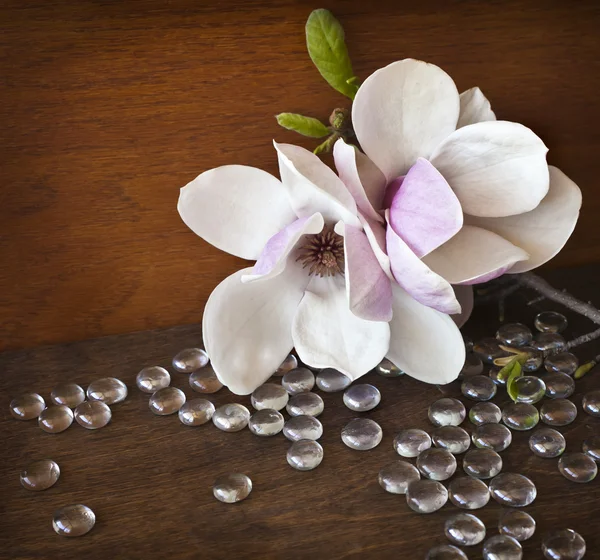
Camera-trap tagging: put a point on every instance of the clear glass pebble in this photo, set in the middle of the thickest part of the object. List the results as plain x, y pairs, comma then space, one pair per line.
516, 524
305, 404
298, 380
534, 360
447, 412
446, 552
482, 463
550, 322
549, 343
473, 366
395, 477
464, 529
559, 385
266, 422
189, 360
362, 434
196, 412
565, 544
493, 436
411, 442
478, 388
514, 334
520, 416
529, 389
73, 521
269, 395
55, 419
302, 427
305, 455
563, 362
93, 415
547, 443
426, 496
591, 447
468, 343
485, 413
502, 547
167, 401
451, 438
231, 417
152, 378
488, 349
108, 390
205, 381
468, 492
231, 488
436, 464
68, 394
40, 475
591, 403
27, 406
362, 397
493, 374
558, 412
513, 490
290, 363
387, 369
331, 380
578, 467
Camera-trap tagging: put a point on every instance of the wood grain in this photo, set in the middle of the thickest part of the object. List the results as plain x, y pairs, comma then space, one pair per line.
109, 107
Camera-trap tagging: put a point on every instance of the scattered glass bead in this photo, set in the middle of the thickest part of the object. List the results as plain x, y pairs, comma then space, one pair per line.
473, 366
547, 443
266, 422
232, 488
331, 380
520, 416
152, 378
396, 477
167, 401
446, 552
565, 544
514, 334
190, 360
362, 434
578, 467
468, 493
305, 455
205, 381
288, 364
73, 521
447, 412
493, 436
93, 415
436, 464
464, 529
298, 380
68, 394
559, 385
488, 349
550, 322
468, 343
591, 446
591, 403
387, 369
451, 438
269, 395
485, 413
494, 376
55, 419
529, 389
516, 524
502, 547
549, 343
362, 397
302, 427
40, 475
231, 417
27, 406
563, 362
309, 404
514, 490
534, 360
478, 388
426, 496
196, 412
558, 412
411, 442
108, 390
482, 463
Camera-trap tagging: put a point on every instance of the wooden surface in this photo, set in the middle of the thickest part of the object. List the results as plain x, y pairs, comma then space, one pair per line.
109, 107
149, 478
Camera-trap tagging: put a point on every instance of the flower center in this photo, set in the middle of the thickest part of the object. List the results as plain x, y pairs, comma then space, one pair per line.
323, 252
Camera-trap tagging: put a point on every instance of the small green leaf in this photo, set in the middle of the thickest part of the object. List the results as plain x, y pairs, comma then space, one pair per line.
307, 126
327, 50
583, 369
326, 146
510, 382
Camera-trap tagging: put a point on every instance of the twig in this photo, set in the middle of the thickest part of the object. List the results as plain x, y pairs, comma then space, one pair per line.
583, 339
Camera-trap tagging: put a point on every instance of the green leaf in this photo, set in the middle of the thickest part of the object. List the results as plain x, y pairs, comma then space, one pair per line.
583, 369
510, 382
327, 50
326, 146
306, 126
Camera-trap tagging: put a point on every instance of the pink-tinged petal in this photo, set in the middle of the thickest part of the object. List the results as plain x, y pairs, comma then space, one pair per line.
474, 255
402, 112
327, 334
422, 283
391, 191
375, 233
424, 343
544, 231
369, 289
362, 178
474, 108
235, 208
314, 187
496, 168
464, 294
425, 212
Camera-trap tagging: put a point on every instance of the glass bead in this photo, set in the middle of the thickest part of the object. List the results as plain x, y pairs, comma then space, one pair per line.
493, 436
309, 404
563, 362
502, 547
578, 467
152, 378
331, 380
298, 380
436, 464
73, 521
411, 442
516, 524
520, 416
305, 455
362, 397
464, 529
196, 412
93, 415
395, 477
446, 552
451, 438
108, 390
426, 496
290, 363
387, 369
189, 360
468, 343
534, 360
591, 403
558, 412
591, 446
302, 427
559, 385
565, 544
269, 395
478, 388
488, 350
547, 443
473, 366
550, 322
27, 406
482, 463
205, 381
232, 488
549, 343
231, 417
494, 376
514, 490
68, 394
55, 419
167, 401
529, 389
468, 493
514, 334
447, 412
485, 413
362, 434
266, 422
40, 475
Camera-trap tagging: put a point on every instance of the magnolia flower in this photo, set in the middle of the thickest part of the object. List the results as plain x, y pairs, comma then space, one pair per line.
361, 266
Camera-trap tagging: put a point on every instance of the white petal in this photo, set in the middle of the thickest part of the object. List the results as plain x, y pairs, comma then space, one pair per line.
544, 231
375, 233
464, 294
402, 112
327, 334
425, 343
496, 168
474, 108
235, 208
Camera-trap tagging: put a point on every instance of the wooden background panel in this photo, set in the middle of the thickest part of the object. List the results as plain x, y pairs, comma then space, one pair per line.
109, 107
